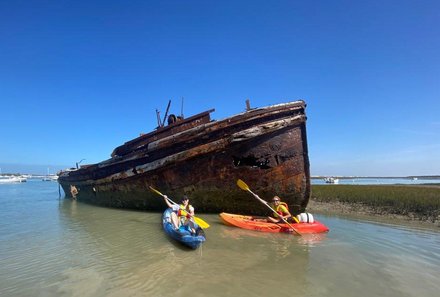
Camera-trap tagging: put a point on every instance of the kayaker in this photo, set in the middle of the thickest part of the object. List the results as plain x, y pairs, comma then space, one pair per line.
182, 214
281, 211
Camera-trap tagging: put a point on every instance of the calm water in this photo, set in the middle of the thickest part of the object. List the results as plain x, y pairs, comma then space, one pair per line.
59, 247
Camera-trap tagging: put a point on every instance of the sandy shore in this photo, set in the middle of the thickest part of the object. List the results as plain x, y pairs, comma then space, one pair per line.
359, 211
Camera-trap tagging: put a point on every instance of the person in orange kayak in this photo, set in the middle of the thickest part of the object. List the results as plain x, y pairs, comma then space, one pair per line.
182, 214
282, 211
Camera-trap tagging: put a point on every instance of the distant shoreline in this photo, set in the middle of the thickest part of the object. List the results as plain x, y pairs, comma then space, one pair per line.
417, 204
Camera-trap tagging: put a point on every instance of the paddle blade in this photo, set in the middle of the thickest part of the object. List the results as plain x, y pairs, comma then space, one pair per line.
156, 191
201, 223
242, 185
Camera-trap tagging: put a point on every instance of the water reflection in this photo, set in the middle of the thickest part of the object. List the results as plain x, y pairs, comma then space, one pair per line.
281, 241
111, 247
312, 240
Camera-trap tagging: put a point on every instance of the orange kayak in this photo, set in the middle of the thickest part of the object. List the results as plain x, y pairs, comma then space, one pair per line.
262, 225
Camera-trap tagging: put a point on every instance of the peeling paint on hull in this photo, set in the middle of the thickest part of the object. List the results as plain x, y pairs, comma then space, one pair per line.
266, 147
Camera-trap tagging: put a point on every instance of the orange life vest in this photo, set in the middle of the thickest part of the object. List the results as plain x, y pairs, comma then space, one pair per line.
281, 210
183, 212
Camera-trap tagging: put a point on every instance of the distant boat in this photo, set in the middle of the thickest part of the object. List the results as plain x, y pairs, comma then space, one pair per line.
331, 180
12, 179
50, 177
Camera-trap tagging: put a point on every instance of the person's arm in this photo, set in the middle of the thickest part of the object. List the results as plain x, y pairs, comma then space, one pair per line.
191, 211
165, 198
284, 210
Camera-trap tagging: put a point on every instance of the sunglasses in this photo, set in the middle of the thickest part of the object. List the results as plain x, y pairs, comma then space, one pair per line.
275, 200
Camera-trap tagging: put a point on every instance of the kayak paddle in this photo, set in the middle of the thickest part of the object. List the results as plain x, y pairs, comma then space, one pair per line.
245, 187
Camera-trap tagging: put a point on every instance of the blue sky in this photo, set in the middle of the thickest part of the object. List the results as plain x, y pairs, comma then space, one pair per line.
78, 78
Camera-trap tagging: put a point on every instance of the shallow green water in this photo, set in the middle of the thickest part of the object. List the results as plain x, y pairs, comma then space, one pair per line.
58, 247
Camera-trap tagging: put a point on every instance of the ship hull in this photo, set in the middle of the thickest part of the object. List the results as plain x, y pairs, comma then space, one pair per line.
266, 147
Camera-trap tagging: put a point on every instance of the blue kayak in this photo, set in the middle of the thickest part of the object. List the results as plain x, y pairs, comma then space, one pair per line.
182, 235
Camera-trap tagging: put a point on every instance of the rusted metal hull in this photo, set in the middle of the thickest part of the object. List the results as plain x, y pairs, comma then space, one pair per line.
266, 147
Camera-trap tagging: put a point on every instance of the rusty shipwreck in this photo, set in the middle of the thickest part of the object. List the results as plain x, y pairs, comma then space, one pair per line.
203, 158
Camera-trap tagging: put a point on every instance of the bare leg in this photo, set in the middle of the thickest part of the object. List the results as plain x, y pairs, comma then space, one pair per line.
175, 220
191, 225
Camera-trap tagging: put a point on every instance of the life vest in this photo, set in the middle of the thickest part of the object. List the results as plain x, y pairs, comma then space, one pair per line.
281, 210
183, 213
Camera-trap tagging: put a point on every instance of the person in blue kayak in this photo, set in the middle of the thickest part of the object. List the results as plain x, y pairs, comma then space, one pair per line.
182, 214
282, 211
